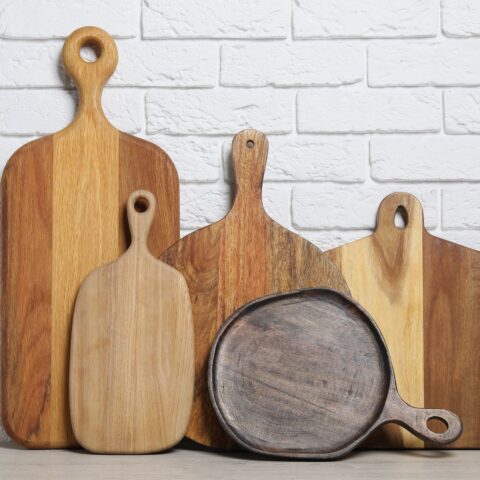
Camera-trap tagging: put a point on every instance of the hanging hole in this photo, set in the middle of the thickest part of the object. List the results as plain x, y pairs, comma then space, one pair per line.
437, 425
90, 51
401, 218
250, 143
141, 205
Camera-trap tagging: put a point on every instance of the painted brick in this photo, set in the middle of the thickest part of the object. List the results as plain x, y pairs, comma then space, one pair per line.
58, 18
326, 240
201, 205
442, 63
364, 111
40, 112
198, 160
8, 145
215, 19
365, 18
222, 111
310, 159
280, 64
351, 207
166, 64
462, 111
460, 208
429, 159
461, 18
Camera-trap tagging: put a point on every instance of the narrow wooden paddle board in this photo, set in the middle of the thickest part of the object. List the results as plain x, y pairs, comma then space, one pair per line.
63, 206
424, 294
242, 257
131, 358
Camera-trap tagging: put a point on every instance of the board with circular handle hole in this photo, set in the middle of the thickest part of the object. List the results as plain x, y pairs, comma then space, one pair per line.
131, 358
63, 214
242, 257
424, 294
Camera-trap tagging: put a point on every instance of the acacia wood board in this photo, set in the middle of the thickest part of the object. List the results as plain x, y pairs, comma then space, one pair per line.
242, 257
63, 205
424, 294
307, 374
131, 356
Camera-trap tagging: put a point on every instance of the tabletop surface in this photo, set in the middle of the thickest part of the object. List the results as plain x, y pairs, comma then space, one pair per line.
189, 462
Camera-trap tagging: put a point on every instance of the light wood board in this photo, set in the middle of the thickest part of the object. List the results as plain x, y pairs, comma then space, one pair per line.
424, 294
242, 257
63, 204
132, 358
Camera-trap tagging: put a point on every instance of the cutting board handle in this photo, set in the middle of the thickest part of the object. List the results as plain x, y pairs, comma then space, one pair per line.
141, 206
90, 77
249, 155
415, 419
404, 203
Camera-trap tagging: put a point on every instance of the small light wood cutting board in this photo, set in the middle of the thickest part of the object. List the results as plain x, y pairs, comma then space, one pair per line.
131, 358
63, 206
244, 256
424, 294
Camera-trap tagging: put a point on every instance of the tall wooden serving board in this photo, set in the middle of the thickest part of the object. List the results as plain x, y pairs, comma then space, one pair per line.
424, 294
63, 204
242, 257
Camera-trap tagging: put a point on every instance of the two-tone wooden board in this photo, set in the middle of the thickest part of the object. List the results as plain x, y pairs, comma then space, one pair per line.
63, 214
242, 257
424, 294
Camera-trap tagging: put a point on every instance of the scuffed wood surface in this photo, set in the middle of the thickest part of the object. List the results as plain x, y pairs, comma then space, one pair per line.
307, 374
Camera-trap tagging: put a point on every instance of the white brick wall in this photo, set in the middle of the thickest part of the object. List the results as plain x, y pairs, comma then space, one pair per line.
359, 98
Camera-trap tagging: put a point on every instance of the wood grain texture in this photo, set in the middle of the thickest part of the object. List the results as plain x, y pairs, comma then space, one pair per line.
423, 292
63, 202
242, 257
307, 374
132, 357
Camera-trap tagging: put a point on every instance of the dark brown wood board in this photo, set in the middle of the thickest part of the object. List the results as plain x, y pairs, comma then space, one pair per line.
63, 214
242, 257
307, 374
424, 294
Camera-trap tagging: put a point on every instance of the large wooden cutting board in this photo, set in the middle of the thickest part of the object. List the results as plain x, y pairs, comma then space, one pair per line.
131, 358
238, 259
424, 294
63, 204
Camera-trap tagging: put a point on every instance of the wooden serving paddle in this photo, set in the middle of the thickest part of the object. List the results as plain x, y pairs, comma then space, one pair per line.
424, 294
63, 204
307, 374
131, 359
242, 257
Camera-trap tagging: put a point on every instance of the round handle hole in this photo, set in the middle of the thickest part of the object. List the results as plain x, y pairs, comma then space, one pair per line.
401, 218
90, 51
250, 143
437, 425
141, 205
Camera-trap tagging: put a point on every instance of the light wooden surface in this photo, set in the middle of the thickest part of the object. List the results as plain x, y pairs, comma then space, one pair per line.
242, 257
63, 203
184, 464
132, 358
424, 294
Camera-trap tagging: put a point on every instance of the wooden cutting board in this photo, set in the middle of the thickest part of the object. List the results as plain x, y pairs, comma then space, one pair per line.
424, 294
63, 204
131, 357
242, 257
